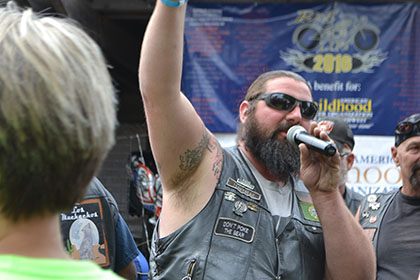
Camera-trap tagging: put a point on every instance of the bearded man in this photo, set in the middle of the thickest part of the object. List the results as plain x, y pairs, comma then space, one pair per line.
391, 219
242, 212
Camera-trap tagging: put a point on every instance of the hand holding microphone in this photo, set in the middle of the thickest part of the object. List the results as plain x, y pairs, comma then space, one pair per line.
297, 134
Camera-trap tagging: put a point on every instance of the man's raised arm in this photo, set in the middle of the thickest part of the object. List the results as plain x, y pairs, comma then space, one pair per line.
183, 148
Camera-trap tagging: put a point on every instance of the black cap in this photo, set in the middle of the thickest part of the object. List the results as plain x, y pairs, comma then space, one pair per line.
339, 131
407, 128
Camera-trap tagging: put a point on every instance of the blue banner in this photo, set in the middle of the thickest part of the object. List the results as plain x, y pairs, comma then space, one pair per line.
362, 60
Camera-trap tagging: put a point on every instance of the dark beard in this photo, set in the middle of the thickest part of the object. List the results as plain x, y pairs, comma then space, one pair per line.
281, 158
415, 176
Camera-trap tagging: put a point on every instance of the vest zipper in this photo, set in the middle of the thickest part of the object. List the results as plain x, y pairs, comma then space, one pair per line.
190, 270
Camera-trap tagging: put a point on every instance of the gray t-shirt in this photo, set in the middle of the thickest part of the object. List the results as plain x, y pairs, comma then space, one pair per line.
399, 240
279, 198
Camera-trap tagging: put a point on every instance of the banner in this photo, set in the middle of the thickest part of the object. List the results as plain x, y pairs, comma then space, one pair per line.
373, 169
361, 59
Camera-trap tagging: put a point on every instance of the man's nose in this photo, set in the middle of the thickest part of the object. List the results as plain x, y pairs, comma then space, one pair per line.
294, 116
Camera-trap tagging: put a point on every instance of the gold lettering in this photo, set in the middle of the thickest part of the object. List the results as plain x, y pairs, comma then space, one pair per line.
357, 170
365, 175
368, 106
305, 14
386, 175
332, 106
349, 107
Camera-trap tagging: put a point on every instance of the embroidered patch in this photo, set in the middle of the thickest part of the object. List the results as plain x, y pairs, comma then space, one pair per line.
230, 196
245, 183
83, 232
234, 229
243, 188
252, 206
309, 212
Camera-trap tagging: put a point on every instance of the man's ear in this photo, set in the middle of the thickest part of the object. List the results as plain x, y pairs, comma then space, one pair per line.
243, 110
394, 152
349, 161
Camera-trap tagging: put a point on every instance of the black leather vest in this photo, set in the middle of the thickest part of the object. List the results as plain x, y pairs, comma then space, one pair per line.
372, 211
352, 200
89, 229
236, 237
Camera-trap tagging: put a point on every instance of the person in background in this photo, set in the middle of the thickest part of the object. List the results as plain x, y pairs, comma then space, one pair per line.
95, 230
391, 219
235, 213
57, 124
142, 266
339, 131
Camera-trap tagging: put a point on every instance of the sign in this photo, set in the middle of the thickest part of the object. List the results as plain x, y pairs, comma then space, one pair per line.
361, 59
374, 170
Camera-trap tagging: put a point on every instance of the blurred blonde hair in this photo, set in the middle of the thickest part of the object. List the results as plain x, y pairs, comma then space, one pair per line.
57, 113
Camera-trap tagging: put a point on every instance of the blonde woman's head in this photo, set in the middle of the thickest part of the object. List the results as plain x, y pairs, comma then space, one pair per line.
57, 113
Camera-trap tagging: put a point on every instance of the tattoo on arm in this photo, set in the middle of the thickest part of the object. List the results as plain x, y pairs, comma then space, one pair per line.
214, 147
189, 162
191, 158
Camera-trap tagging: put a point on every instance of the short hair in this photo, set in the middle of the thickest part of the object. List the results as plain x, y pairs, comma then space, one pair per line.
57, 113
258, 87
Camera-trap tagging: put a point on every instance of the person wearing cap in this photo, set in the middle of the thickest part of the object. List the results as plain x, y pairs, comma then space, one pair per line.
339, 131
391, 219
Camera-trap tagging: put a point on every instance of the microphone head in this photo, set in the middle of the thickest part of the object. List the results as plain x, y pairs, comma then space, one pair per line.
293, 131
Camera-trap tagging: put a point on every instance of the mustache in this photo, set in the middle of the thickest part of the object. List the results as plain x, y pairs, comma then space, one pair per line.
283, 127
415, 168
415, 177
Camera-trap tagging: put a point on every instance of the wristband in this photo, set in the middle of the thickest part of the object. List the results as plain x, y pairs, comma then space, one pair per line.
170, 3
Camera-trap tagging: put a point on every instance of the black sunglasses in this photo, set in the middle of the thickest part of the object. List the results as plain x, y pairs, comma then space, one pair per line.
407, 127
285, 102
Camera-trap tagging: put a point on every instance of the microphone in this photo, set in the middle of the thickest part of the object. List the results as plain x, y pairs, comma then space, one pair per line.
297, 134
